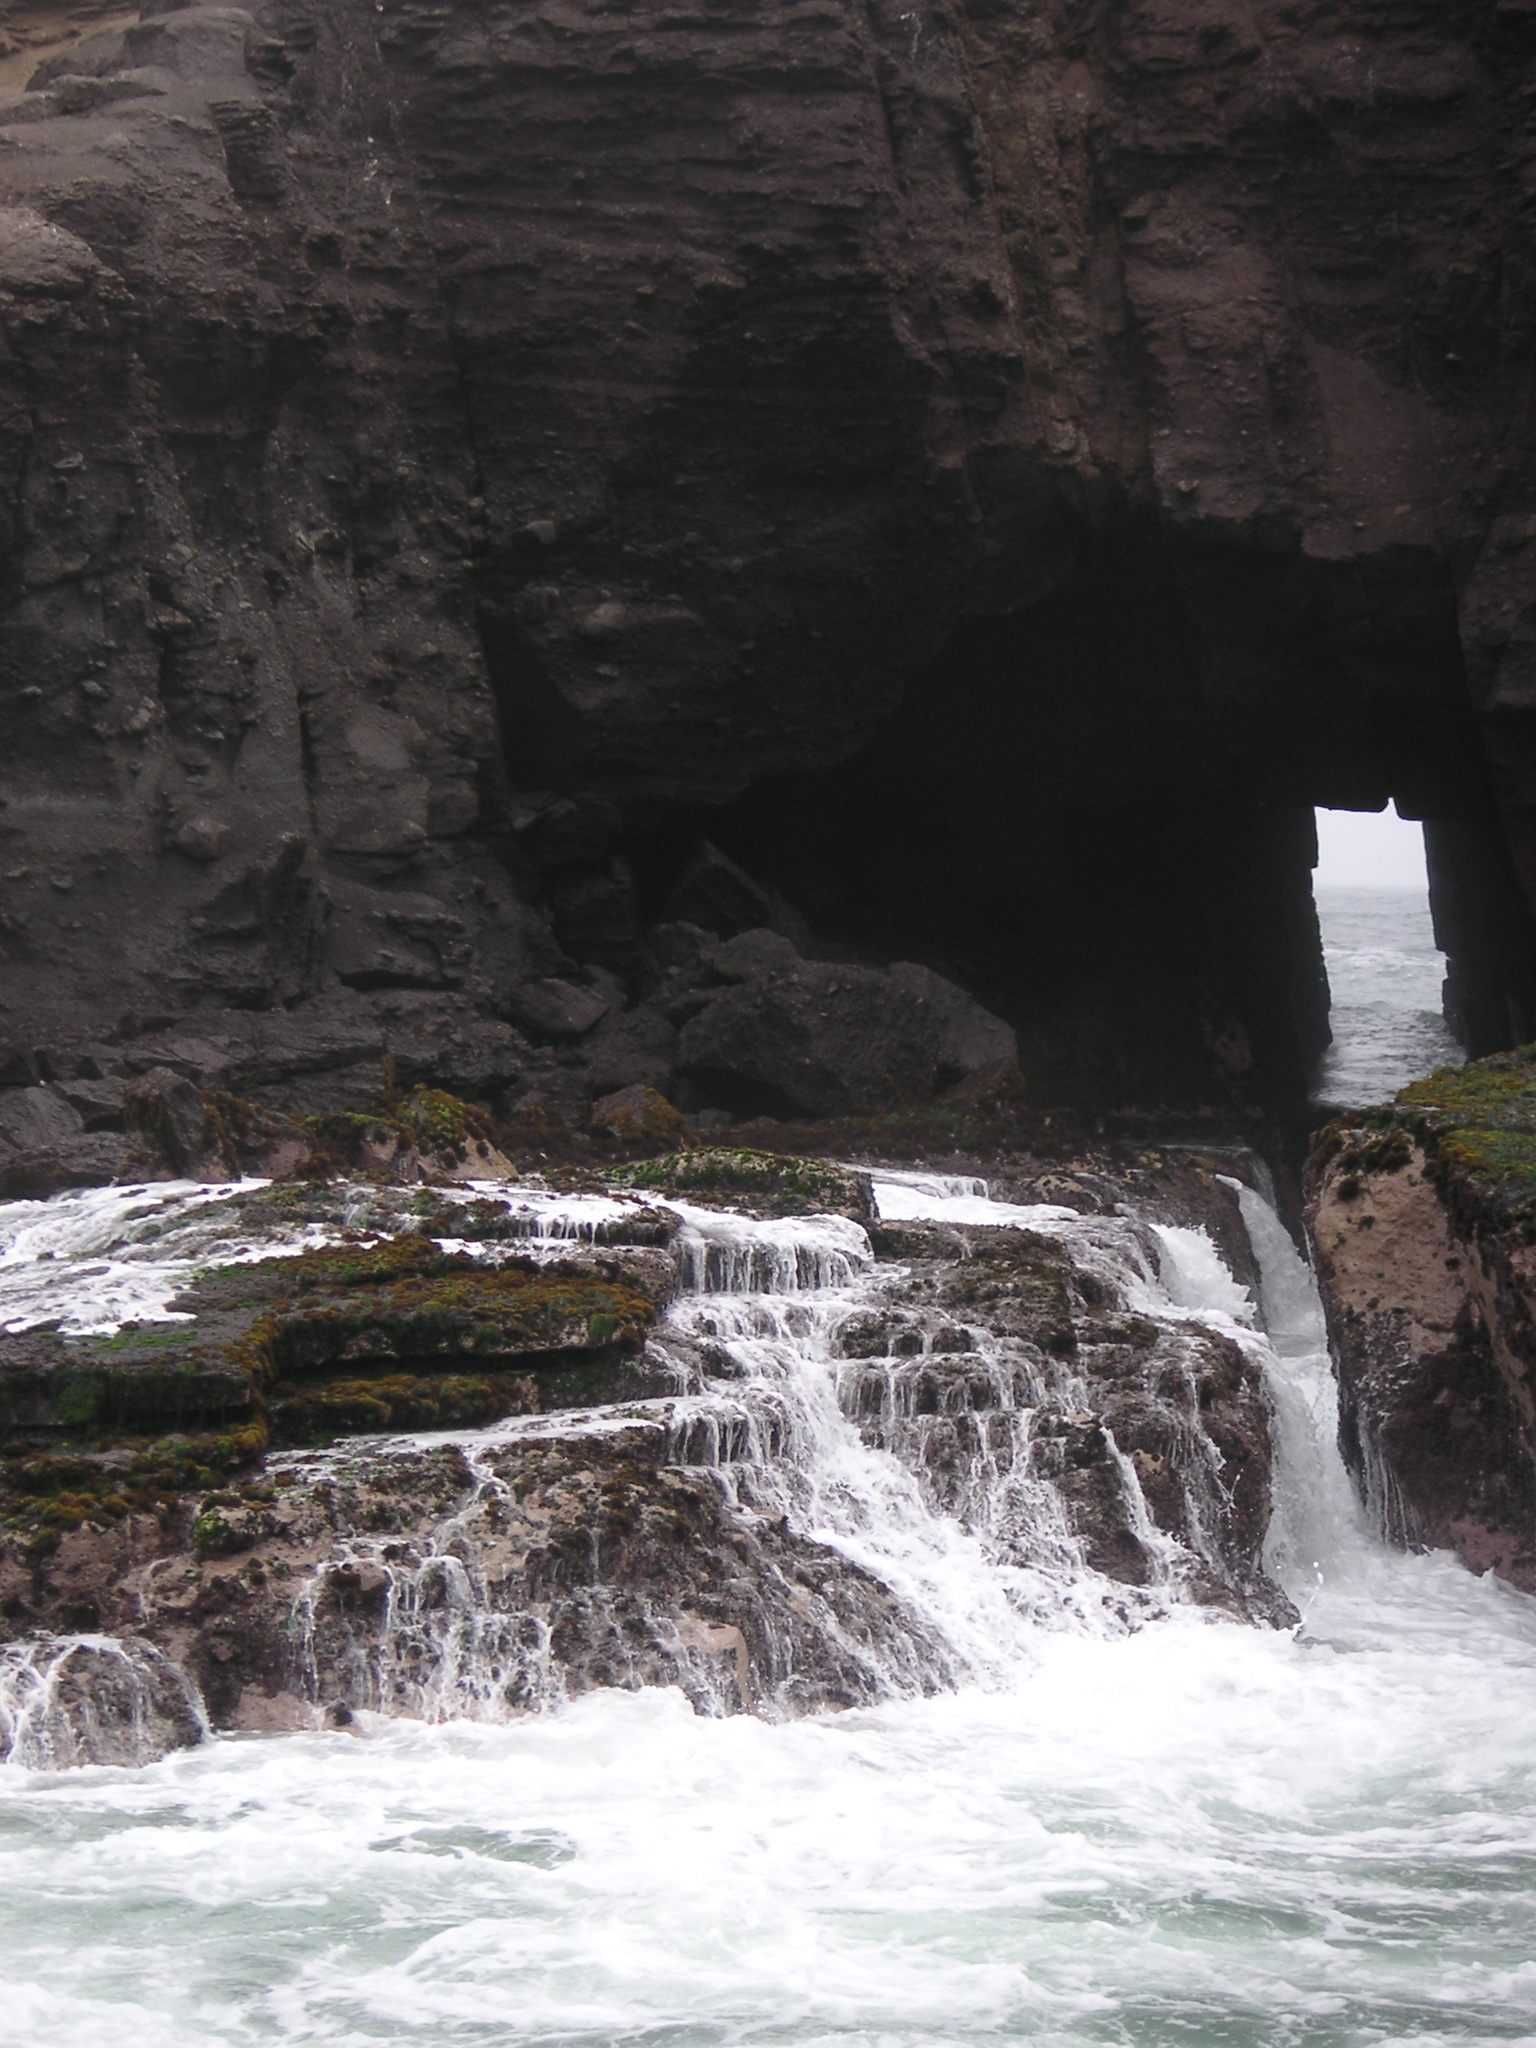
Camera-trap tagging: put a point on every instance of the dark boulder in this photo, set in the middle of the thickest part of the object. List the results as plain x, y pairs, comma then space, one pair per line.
818, 1036
45, 1146
718, 895
99, 1101
632, 1049
753, 955
479, 1058
34, 1118
558, 1010
170, 1110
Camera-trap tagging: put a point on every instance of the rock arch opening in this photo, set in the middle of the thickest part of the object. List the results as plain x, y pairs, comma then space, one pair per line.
1386, 970
1097, 813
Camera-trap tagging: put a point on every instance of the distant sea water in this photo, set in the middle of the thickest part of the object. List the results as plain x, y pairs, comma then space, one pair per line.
1385, 974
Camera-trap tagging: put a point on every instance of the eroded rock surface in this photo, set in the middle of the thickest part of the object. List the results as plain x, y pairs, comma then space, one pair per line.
1422, 1215
716, 1450
444, 455
230, 1091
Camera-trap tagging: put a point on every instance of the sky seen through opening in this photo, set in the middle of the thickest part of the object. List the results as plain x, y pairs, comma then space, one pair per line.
1369, 850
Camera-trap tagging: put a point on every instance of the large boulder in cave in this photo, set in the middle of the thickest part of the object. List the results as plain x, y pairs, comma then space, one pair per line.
829, 1039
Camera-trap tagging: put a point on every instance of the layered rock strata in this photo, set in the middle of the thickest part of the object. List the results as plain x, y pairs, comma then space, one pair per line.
447, 462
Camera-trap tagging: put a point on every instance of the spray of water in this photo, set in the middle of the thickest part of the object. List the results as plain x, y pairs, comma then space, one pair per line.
1194, 1832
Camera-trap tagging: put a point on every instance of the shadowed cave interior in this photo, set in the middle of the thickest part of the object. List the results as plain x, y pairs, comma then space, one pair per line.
1096, 812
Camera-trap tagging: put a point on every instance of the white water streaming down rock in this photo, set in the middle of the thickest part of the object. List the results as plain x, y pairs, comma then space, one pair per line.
723, 1254
86, 1699
795, 1453
1196, 1832
969, 1573
91, 1261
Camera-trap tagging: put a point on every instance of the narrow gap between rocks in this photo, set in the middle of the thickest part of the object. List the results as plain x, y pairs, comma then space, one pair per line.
1386, 969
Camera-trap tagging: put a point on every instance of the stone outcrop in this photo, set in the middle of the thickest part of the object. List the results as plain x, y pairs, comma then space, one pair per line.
226, 1505
796, 1036
233, 1091
389, 1336
1423, 1214
1008, 461
68, 1701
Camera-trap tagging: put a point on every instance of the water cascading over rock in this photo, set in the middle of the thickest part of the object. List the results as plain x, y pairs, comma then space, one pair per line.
93, 1700
894, 1451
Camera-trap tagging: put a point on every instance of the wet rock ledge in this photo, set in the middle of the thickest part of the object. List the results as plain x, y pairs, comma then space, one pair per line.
1423, 1211
287, 1508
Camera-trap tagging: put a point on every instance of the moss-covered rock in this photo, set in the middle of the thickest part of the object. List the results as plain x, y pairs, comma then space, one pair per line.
411, 1137
400, 1335
1475, 1127
490, 1222
45, 1494
768, 1183
642, 1117
356, 1337
1423, 1212
154, 1377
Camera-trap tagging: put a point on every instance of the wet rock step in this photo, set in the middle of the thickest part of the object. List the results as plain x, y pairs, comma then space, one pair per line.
395, 1334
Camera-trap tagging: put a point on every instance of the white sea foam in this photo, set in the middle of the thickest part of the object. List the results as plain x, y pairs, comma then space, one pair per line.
89, 1261
723, 1253
1194, 1275
1199, 1833
932, 1198
93, 1260
560, 1218
1195, 1833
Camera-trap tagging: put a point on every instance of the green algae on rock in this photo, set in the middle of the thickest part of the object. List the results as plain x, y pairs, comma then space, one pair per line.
770, 1183
356, 1338
1475, 1127
1423, 1213
412, 1137
44, 1495
640, 1116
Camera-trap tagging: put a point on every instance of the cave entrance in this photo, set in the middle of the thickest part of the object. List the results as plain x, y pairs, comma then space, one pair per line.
1098, 814
1386, 969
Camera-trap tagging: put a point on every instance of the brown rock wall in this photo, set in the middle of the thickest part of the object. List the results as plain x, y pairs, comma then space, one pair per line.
411, 413
1429, 1293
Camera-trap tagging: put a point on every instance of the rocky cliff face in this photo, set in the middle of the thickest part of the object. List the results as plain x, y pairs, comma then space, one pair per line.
989, 469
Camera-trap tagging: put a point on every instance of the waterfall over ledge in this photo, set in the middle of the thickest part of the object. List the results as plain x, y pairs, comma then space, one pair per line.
853, 1461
